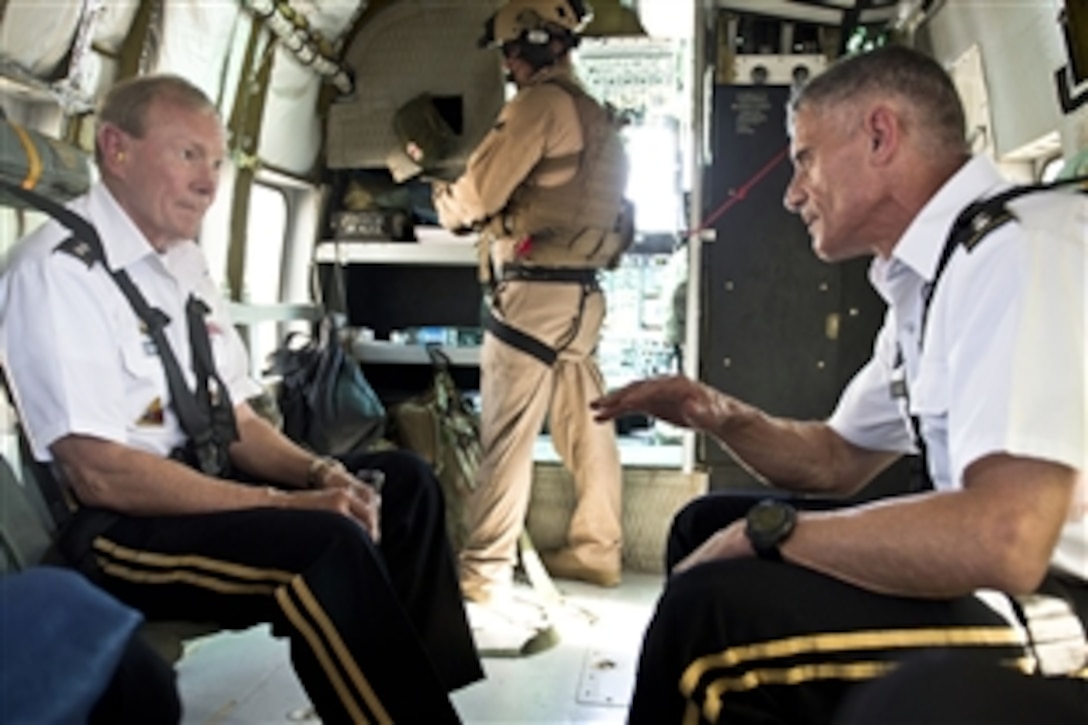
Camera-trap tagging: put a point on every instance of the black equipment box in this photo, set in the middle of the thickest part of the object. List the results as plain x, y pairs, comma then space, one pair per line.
374, 225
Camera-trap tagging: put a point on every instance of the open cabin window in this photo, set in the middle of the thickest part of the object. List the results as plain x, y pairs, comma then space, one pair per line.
266, 231
639, 77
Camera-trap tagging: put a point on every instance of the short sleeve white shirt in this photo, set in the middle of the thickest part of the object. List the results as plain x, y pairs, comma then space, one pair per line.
79, 359
1004, 365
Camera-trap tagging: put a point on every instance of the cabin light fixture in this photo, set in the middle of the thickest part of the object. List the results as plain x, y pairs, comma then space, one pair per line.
308, 46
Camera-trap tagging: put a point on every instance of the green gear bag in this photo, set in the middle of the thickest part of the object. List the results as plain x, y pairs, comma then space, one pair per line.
442, 427
30, 159
424, 135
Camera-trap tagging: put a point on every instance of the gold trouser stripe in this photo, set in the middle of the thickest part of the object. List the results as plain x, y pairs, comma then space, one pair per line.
322, 654
192, 561
341, 651
712, 704
266, 581
33, 160
846, 642
141, 576
792, 676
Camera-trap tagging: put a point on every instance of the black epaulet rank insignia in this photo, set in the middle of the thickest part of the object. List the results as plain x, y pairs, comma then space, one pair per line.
983, 222
987, 215
79, 249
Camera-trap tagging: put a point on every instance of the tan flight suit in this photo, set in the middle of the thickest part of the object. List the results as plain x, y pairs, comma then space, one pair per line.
541, 123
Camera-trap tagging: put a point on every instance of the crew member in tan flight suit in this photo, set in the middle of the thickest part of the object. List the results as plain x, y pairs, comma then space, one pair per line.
545, 187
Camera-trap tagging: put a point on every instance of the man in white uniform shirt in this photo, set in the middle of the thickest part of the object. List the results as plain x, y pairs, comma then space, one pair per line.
362, 584
775, 609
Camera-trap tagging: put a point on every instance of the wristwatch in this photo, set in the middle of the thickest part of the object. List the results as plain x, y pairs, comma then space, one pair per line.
769, 523
319, 470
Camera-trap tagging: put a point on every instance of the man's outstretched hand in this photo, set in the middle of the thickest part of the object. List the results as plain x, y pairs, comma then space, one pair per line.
676, 399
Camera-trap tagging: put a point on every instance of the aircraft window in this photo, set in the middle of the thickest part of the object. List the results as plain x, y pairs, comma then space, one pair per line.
639, 77
9, 230
16, 224
265, 233
32, 219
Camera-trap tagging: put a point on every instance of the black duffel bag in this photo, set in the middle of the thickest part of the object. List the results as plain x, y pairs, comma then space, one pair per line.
326, 402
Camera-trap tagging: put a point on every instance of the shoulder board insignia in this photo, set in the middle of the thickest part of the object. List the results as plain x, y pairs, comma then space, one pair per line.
985, 222
78, 249
983, 217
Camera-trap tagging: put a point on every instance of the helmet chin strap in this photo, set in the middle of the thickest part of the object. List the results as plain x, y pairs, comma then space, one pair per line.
538, 56
538, 51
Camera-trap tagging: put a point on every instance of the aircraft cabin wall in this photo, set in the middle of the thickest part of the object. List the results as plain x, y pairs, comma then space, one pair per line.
1021, 47
410, 48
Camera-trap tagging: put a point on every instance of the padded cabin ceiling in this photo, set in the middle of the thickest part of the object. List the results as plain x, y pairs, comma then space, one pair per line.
408, 48
67, 52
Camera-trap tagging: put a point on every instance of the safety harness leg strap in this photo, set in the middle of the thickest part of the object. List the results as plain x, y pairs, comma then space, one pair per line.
519, 340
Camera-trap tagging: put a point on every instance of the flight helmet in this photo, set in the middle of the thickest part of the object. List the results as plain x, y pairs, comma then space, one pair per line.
527, 28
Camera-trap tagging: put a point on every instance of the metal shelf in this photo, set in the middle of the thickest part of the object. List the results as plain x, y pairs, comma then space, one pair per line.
250, 314
392, 353
443, 249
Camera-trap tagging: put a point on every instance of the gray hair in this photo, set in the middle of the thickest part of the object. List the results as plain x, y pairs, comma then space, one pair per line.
127, 103
932, 102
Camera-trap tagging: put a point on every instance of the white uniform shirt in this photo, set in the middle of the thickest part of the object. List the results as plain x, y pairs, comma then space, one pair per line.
1004, 365
74, 350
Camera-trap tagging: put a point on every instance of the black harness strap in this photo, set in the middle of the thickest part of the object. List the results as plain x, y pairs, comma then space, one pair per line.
209, 424
218, 427
520, 340
523, 341
566, 275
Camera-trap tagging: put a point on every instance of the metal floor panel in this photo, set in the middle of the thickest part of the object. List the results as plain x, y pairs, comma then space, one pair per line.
233, 678
607, 676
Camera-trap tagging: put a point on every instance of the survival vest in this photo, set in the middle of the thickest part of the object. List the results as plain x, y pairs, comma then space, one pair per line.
586, 222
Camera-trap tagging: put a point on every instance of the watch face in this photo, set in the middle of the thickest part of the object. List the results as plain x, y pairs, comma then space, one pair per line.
768, 516
769, 523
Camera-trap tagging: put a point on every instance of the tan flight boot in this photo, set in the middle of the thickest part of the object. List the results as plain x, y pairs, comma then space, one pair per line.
566, 564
